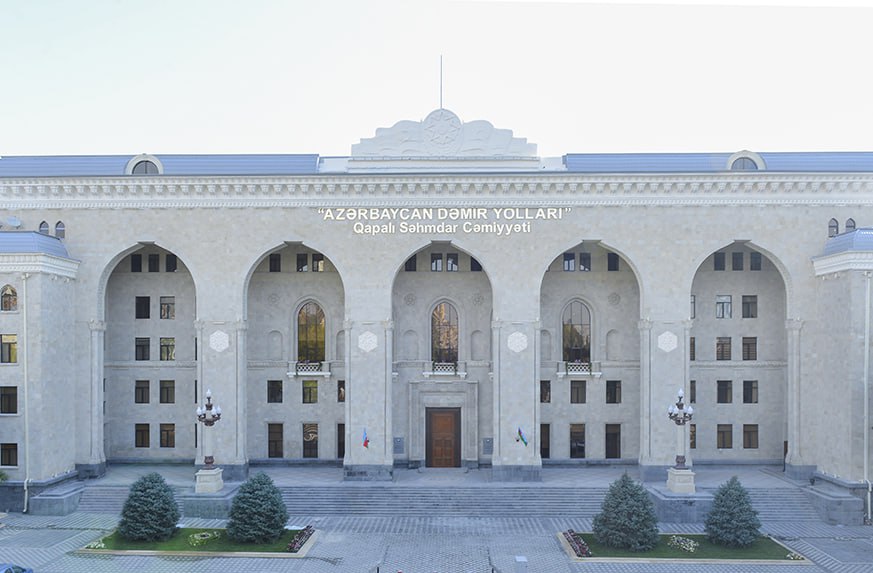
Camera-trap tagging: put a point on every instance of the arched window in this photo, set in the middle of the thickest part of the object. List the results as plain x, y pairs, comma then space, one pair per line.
44, 228
444, 333
60, 230
145, 168
744, 164
310, 333
577, 333
850, 225
833, 228
8, 298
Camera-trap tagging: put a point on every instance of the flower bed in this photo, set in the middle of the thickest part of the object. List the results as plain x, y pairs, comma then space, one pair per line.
683, 543
298, 542
671, 546
577, 544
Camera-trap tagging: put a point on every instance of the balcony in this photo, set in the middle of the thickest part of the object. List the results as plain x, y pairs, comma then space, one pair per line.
578, 368
444, 369
310, 368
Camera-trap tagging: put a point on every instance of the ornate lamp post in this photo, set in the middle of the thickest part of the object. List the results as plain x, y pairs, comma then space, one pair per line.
680, 479
208, 416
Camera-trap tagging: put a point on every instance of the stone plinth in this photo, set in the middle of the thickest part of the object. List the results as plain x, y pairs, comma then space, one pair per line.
208, 481
680, 481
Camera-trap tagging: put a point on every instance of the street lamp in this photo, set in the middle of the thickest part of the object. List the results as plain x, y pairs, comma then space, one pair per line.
208, 416
681, 415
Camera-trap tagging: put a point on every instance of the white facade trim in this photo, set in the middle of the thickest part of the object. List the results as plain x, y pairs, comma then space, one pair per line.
38, 263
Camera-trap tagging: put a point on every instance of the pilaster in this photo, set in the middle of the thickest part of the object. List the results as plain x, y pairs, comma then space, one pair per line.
96, 464
795, 465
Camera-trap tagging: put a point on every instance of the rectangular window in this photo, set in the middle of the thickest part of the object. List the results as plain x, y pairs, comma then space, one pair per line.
141, 349
168, 435
143, 307
310, 391
274, 391
340, 441
545, 392
569, 262
8, 454
692, 392
317, 263
168, 392
613, 441
545, 441
171, 263
302, 262
723, 348
8, 348
750, 348
411, 264
475, 266
141, 435
724, 391
613, 391
750, 436
340, 390
141, 392
154, 263
436, 262
8, 399
577, 440
577, 391
310, 440
750, 306
723, 306
136, 263
693, 306
612, 261
736, 261
585, 261
718, 262
452, 262
754, 261
724, 436
692, 436
750, 391
168, 308
275, 262
274, 441
168, 349
692, 350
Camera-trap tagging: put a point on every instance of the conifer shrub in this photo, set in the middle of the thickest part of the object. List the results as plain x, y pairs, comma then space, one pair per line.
732, 521
150, 512
627, 517
257, 513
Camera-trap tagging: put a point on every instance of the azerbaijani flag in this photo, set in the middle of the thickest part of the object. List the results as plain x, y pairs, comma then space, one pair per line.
366, 439
521, 436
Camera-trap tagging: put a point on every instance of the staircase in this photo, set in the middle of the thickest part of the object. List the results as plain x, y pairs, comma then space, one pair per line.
108, 499
782, 504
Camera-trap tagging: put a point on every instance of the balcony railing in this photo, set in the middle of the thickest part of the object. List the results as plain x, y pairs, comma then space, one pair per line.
577, 367
307, 367
450, 368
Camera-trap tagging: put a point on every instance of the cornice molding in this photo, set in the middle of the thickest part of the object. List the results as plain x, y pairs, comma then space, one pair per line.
437, 190
848, 261
38, 263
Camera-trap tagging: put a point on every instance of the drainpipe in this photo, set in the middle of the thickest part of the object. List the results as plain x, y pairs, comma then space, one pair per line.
867, 275
24, 278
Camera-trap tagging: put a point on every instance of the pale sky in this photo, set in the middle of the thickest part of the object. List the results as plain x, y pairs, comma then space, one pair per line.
315, 76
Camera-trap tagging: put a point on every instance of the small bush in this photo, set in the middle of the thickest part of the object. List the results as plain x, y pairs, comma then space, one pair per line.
627, 517
257, 514
150, 512
732, 521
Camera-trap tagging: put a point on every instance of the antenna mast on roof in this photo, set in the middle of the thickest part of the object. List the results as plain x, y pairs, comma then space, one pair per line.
441, 81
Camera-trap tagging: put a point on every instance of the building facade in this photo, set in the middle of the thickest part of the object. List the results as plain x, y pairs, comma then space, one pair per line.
440, 297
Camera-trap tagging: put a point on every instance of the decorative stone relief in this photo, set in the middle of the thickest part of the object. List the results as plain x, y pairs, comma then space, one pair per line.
273, 299
219, 341
367, 341
410, 299
517, 341
478, 298
668, 341
614, 299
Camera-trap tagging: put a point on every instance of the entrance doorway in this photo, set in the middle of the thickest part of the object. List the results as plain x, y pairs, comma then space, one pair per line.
443, 438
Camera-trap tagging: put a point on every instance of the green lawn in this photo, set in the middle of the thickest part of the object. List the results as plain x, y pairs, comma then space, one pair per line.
179, 542
763, 548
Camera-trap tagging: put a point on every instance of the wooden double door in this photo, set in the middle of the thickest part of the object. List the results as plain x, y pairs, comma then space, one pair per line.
443, 438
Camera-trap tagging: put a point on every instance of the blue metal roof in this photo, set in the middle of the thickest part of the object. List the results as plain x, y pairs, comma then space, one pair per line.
114, 165
814, 162
21, 242
857, 240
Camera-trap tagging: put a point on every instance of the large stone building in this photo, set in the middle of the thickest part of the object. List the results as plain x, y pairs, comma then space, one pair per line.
441, 297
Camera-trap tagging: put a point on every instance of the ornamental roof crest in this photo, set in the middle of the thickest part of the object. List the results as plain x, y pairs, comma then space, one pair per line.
443, 134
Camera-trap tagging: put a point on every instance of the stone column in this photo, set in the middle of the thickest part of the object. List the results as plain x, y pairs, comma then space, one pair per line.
368, 395
241, 421
96, 465
515, 401
796, 467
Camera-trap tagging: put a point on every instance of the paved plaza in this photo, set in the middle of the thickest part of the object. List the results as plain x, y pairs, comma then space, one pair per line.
362, 544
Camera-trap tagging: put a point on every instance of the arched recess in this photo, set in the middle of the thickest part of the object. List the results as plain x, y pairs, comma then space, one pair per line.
148, 305
8, 298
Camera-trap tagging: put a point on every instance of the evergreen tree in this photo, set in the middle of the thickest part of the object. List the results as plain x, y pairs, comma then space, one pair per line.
150, 512
732, 521
257, 514
627, 517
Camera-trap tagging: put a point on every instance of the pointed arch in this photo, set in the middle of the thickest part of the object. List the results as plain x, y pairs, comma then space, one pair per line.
8, 298
576, 332
850, 225
60, 230
310, 332
444, 332
833, 228
44, 228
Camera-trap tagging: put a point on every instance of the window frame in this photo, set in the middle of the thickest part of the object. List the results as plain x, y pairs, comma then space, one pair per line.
142, 307
723, 348
445, 333
571, 335
141, 436
167, 348
724, 391
167, 435
275, 391
310, 392
302, 262
545, 391
569, 262
8, 399
585, 261
578, 391
750, 391
613, 263
142, 348
141, 391
737, 261
9, 454
340, 391
750, 436
750, 348
613, 391
167, 307
436, 262
724, 436
8, 299
452, 265
719, 261
723, 306
167, 392
750, 305
577, 446
275, 440
311, 332
154, 262
8, 349
274, 263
